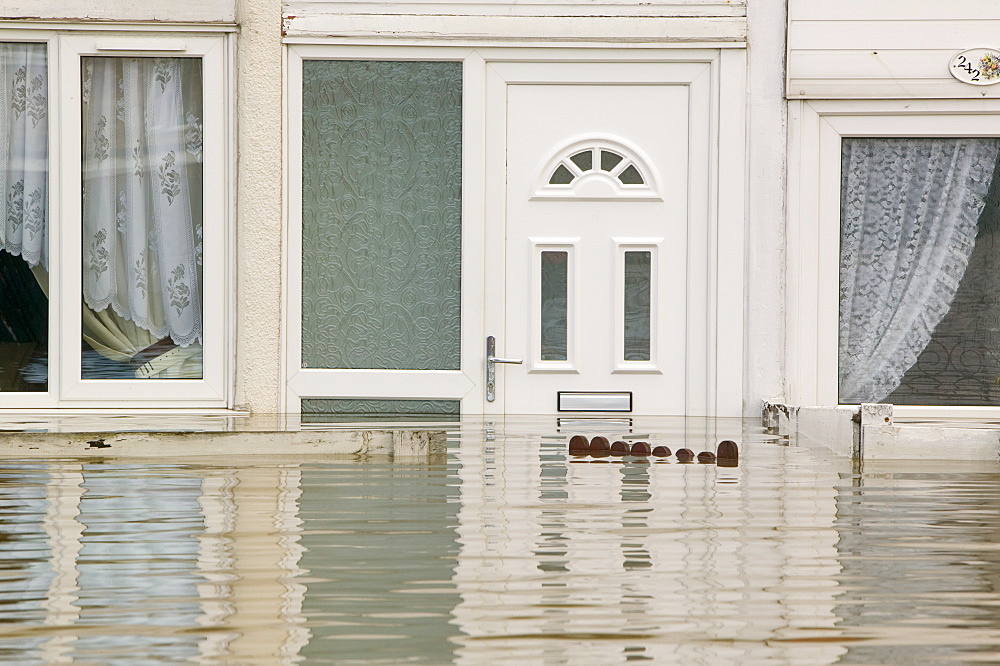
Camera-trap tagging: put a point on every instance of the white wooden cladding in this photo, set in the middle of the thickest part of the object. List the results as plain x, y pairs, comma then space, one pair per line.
180, 11
622, 21
507, 8
886, 49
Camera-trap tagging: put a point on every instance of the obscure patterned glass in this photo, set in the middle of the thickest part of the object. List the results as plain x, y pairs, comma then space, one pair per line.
555, 267
561, 176
318, 410
609, 160
630, 176
24, 306
638, 272
584, 160
381, 214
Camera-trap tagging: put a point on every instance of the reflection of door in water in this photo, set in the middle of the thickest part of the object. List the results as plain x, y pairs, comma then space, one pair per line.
597, 244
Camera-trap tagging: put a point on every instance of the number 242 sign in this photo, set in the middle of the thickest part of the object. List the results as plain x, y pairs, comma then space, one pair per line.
980, 67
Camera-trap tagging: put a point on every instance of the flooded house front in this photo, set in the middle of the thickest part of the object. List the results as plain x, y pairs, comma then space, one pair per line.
509, 223
495, 208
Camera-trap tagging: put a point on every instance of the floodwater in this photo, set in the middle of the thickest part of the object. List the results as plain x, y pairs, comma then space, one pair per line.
505, 550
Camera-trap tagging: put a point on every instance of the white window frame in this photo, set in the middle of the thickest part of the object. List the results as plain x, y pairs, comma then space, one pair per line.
66, 388
816, 130
305, 383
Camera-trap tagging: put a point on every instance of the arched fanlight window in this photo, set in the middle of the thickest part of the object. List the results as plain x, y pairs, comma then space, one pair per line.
597, 168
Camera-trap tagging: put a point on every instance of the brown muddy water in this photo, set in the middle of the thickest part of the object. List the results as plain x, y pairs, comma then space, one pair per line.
504, 550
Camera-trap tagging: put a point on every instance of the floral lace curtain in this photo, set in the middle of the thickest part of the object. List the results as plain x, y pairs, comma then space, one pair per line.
142, 226
909, 216
24, 142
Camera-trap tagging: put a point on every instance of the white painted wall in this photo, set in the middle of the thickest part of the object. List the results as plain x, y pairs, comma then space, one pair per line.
764, 372
259, 104
887, 48
193, 11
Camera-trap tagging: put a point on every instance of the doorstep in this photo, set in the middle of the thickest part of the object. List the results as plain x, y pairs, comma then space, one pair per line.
160, 435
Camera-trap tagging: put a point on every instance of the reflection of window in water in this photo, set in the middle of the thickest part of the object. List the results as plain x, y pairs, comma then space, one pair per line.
919, 297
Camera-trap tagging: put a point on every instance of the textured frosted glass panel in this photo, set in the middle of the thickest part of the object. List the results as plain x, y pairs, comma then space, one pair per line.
630, 176
584, 160
317, 410
553, 315
638, 271
609, 160
381, 214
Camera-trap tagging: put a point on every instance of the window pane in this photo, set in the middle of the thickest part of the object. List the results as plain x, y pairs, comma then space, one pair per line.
630, 176
555, 270
561, 176
584, 160
609, 160
142, 218
24, 223
638, 273
919, 272
381, 214
326, 410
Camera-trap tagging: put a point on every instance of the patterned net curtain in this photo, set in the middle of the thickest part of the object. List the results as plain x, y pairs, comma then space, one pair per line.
23, 217
24, 141
142, 208
142, 215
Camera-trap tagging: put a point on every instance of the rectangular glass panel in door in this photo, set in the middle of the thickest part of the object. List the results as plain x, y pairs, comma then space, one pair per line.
24, 221
142, 218
638, 274
555, 270
920, 271
381, 214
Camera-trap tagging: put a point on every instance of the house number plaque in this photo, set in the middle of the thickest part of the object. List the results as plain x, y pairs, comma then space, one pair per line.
978, 67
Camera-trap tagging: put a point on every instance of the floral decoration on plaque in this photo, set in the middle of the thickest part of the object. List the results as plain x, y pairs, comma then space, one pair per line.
979, 67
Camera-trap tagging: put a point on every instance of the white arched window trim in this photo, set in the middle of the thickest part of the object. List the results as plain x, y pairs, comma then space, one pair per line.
596, 183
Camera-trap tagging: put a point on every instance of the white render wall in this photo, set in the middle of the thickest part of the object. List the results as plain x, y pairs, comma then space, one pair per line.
259, 214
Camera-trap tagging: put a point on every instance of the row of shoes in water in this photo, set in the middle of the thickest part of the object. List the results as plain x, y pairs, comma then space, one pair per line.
599, 447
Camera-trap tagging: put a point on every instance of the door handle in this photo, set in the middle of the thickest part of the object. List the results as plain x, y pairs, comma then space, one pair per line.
491, 372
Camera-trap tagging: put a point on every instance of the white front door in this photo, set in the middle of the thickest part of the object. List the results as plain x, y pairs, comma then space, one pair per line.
604, 238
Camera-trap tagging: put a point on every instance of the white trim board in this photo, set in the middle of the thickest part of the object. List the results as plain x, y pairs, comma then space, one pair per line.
614, 29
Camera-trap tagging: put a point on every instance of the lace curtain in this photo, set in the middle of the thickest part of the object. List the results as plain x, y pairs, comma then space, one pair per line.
142, 182
909, 214
142, 208
24, 142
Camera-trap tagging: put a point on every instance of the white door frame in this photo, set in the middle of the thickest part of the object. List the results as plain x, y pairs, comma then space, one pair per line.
719, 348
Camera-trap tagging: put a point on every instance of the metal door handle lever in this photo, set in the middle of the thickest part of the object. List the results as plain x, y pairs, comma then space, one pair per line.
494, 359
491, 372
